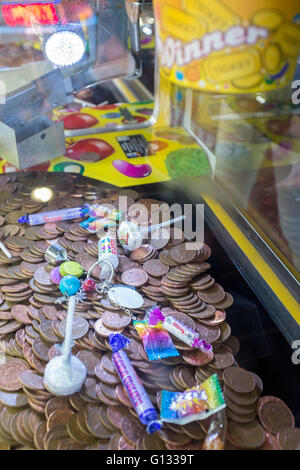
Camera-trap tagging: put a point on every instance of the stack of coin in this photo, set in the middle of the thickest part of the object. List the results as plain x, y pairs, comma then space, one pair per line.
101, 415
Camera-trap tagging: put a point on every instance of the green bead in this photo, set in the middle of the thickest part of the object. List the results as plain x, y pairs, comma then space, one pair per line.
71, 268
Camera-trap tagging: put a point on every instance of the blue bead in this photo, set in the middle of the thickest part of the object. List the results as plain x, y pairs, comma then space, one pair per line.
69, 285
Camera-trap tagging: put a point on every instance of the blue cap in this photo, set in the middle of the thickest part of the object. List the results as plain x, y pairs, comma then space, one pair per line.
153, 426
117, 341
24, 219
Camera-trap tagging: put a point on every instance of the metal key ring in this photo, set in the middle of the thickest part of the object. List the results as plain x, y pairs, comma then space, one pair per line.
103, 262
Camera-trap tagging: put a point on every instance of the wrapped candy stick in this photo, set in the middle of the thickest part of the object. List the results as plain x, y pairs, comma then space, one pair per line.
53, 216
138, 395
131, 235
179, 330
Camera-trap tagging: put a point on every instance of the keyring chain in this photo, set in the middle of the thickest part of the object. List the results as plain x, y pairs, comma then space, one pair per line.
107, 286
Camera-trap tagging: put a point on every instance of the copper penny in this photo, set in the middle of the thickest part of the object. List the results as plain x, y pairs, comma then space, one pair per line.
79, 329
239, 380
181, 255
123, 396
289, 438
20, 313
105, 376
94, 425
249, 436
131, 428
115, 415
56, 403
90, 359
59, 417
197, 357
209, 333
9, 374
134, 277
274, 414
31, 380
155, 268
115, 320
140, 253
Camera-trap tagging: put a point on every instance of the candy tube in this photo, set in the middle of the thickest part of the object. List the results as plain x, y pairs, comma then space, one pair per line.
107, 251
138, 395
179, 330
53, 216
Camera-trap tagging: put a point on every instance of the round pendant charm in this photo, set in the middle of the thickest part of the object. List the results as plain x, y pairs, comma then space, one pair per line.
125, 297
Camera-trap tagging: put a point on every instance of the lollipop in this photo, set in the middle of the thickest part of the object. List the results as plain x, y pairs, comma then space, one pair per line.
131, 235
65, 374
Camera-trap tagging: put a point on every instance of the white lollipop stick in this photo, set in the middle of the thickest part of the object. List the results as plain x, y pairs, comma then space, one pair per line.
64, 375
66, 349
5, 251
164, 224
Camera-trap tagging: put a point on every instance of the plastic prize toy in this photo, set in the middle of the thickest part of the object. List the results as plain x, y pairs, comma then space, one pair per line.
56, 254
138, 395
65, 374
179, 330
131, 235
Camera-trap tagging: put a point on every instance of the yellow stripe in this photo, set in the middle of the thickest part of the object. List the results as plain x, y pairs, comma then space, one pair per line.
256, 259
125, 90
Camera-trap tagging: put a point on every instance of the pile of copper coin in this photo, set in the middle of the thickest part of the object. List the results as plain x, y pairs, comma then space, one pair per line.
32, 329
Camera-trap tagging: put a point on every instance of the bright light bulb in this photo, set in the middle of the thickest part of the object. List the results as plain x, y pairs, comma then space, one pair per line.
42, 194
65, 48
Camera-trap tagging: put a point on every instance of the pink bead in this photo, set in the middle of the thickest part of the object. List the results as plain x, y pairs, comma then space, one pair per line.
89, 285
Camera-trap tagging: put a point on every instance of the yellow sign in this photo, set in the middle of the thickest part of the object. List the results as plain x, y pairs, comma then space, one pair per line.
227, 46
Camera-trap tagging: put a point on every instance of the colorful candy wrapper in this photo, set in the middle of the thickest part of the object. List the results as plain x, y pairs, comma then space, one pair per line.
101, 211
53, 216
138, 395
93, 225
216, 436
157, 342
178, 329
193, 404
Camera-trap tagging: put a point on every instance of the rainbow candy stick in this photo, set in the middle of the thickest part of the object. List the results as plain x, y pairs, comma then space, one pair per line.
157, 341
